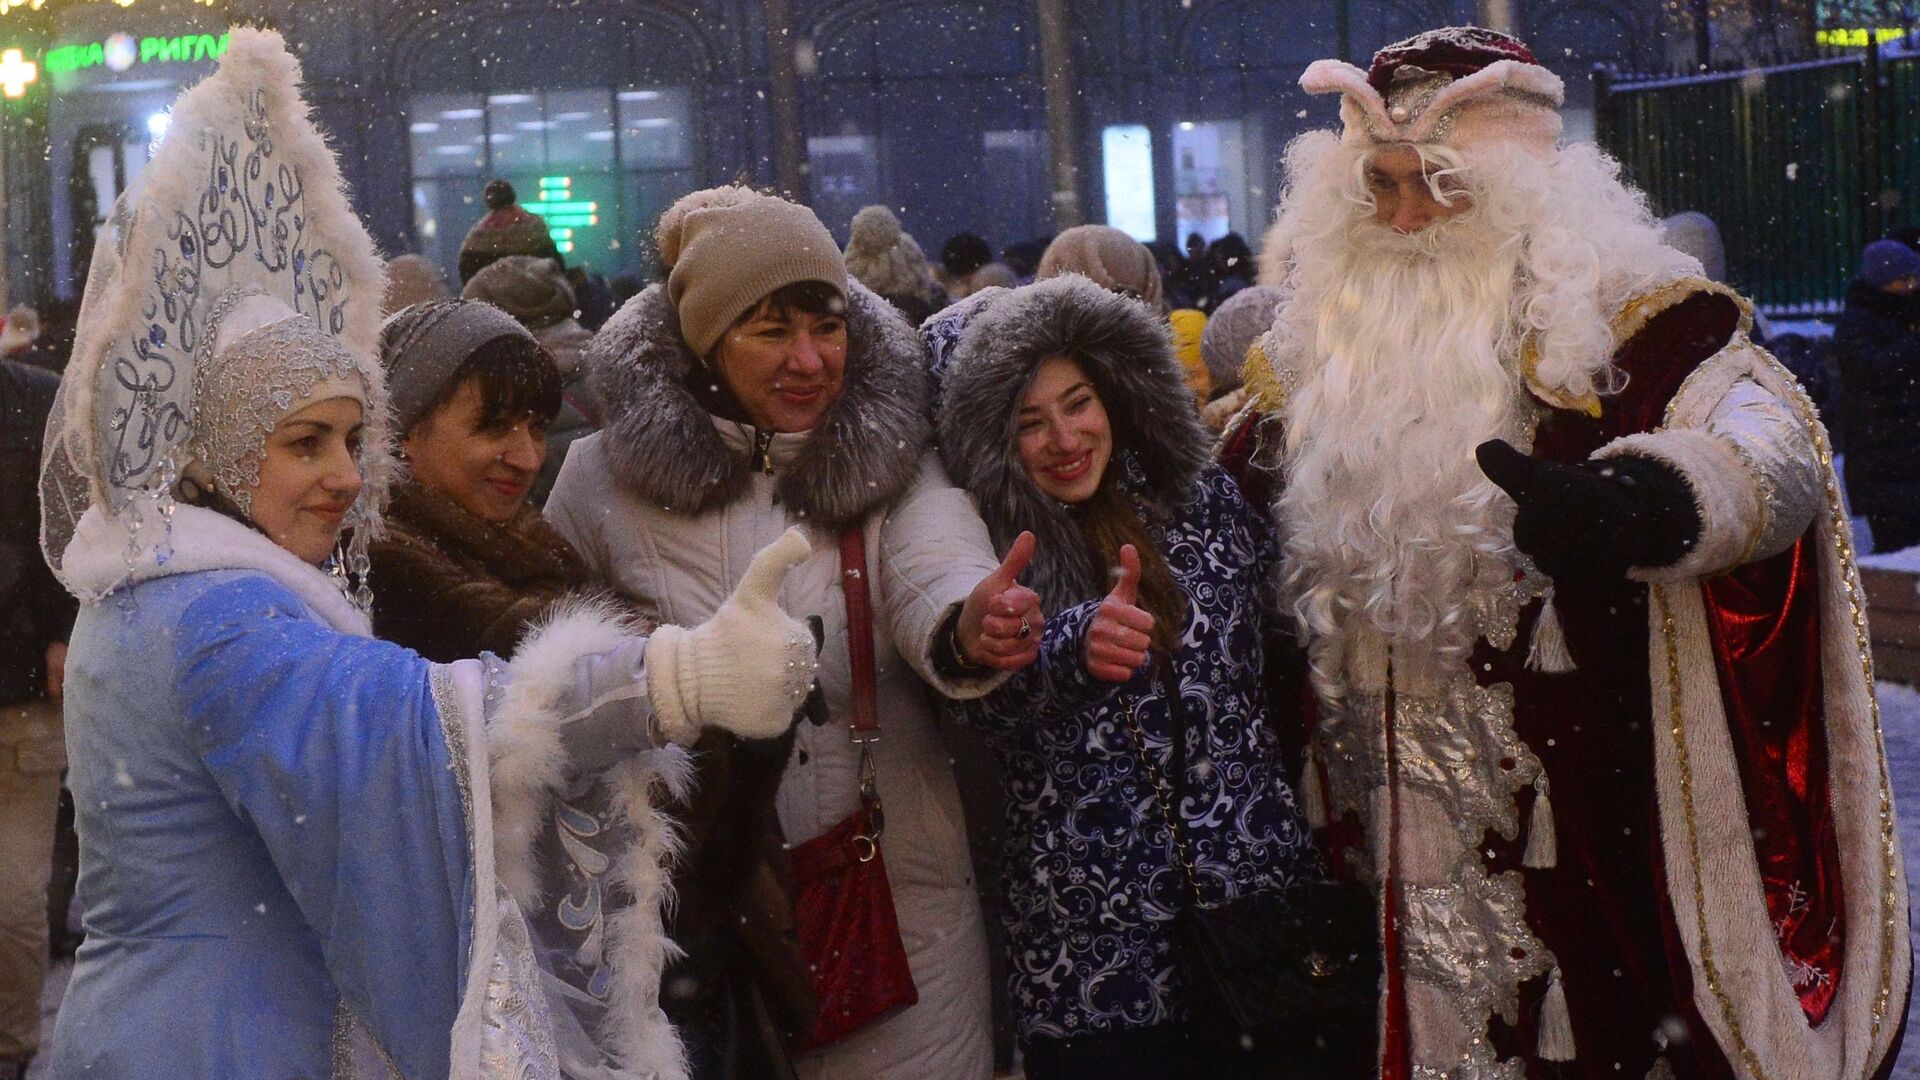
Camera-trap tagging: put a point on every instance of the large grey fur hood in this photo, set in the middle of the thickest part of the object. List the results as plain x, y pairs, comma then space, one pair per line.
663, 445
985, 351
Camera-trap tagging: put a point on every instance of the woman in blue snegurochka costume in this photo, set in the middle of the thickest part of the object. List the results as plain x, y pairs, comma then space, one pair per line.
305, 852
1062, 409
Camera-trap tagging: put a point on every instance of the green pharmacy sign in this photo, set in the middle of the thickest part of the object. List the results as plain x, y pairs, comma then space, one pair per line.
120, 52
564, 214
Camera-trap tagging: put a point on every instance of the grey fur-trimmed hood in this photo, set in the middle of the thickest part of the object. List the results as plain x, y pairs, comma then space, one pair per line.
985, 351
663, 446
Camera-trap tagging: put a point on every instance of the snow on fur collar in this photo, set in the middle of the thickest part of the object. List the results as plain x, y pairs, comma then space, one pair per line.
985, 354
663, 446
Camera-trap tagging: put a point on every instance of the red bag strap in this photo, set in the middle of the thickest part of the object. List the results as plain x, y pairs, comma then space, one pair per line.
853, 583
865, 729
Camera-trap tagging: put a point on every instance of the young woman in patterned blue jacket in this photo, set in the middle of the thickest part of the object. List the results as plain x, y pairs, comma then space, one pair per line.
1062, 409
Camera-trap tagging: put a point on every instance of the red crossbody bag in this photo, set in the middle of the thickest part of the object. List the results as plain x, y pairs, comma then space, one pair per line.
849, 933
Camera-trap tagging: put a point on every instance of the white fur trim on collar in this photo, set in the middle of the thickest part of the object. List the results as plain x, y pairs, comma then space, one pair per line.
194, 540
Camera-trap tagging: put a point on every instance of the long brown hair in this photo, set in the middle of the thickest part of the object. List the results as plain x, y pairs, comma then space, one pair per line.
1108, 522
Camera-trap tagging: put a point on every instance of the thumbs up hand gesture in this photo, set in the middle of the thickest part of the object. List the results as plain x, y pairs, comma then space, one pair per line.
745, 669
1121, 631
1001, 620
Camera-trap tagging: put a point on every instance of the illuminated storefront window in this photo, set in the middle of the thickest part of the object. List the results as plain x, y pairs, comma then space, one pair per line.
1126, 152
600, 165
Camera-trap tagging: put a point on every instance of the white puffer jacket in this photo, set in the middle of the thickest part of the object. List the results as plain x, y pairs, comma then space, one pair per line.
669, 504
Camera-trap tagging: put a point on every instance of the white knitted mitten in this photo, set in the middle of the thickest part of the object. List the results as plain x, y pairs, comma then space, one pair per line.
745, 669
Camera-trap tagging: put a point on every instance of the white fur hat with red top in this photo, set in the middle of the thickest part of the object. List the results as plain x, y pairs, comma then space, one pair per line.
1459, 86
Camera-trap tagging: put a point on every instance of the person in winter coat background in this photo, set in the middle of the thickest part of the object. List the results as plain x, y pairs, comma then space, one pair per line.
1877, 347
1173, 272
758, 389
508, 229
536, 292
888, 260
411, 280
1232, 263
467, 566
1233, 328
1197, 271
1110, 259
35, 617
1061, 410
967, 266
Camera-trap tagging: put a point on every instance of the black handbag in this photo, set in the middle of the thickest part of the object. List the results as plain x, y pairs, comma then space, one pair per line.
1279, 984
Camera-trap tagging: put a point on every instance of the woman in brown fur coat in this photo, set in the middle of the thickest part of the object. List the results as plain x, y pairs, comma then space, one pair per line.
466, 565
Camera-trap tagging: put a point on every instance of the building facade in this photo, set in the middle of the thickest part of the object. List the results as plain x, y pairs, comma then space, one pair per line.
602, 112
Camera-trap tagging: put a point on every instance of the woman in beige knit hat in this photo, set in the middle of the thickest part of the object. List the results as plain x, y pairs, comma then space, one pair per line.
760, 387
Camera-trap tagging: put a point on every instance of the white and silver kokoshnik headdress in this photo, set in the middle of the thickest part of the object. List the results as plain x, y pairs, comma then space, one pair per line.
232, 282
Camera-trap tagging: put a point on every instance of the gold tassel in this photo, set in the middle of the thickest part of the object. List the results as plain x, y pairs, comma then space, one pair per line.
1548, 651
1312, 804
1556, 1024
1543, 845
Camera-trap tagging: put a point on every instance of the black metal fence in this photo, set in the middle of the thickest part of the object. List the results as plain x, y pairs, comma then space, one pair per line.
1800, 164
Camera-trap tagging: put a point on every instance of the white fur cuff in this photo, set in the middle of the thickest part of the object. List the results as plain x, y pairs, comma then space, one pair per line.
526, 760
663, 685
1733, 513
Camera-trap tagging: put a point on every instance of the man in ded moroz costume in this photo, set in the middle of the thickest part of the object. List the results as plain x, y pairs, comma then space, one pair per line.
305, 852
1594, 708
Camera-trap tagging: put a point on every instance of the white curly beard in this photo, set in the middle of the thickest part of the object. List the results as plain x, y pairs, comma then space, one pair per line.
1386, 515
1403, 353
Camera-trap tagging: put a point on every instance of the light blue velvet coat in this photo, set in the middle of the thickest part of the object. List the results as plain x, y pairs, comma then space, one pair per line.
271, 823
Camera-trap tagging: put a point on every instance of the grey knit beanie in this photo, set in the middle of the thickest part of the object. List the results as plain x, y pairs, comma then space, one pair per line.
527, 287
1233, 328
727, 247
423, 346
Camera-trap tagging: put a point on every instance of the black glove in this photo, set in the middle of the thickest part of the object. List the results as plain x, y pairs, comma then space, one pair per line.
1596, 520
